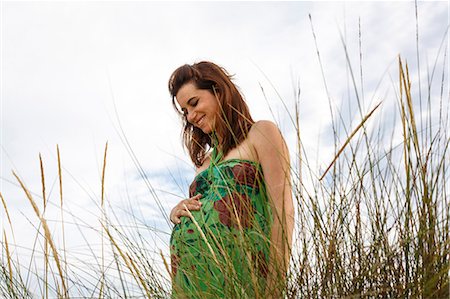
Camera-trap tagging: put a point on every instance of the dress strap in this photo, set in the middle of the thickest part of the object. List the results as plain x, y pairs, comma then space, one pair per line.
216, 156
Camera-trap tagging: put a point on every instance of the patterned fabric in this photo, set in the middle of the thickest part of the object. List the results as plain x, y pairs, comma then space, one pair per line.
223, 252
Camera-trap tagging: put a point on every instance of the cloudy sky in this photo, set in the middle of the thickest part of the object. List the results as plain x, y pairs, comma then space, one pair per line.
80, 74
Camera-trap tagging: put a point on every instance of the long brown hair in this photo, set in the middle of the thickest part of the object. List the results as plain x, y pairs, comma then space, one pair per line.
235, 121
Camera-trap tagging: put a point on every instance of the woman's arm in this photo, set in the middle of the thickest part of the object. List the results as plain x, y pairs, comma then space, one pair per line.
273, 155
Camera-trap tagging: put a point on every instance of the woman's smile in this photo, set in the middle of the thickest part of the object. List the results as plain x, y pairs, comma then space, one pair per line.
199, 106
200, 121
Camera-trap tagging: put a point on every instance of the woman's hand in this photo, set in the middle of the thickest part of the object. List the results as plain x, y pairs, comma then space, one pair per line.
183, 207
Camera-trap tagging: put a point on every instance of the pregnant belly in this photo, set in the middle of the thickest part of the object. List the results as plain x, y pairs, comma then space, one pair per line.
218, 229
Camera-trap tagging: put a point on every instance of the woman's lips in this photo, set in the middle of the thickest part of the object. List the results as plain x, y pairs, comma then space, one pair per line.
200, 121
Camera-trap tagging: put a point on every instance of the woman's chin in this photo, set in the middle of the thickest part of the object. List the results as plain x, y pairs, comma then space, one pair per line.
206, 130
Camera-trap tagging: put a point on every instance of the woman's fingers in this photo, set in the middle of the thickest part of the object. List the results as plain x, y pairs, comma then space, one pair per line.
184, 213
196, 197
192, 204
194, 200
176, 217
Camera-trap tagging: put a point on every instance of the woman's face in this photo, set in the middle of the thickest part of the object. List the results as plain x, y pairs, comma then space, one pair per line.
199, 105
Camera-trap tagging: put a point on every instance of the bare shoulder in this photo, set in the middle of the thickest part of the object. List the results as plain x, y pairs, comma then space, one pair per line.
264, 124
267, 141
263, 133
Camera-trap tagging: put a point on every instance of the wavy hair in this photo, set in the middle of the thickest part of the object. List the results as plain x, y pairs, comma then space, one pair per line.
235, 120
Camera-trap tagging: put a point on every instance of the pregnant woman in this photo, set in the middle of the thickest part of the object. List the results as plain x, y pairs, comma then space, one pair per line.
232, 236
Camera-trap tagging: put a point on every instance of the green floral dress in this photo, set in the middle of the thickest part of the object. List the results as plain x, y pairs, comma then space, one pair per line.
224, 251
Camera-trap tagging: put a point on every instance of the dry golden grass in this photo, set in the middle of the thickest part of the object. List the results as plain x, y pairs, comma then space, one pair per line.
48, 237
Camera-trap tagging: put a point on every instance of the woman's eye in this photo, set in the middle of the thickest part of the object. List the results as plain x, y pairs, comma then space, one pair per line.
194, 103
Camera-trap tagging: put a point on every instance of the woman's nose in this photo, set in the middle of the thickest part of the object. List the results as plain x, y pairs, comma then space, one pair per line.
191, 116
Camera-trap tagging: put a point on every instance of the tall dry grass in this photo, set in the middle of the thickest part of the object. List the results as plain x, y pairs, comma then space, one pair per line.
376, 222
